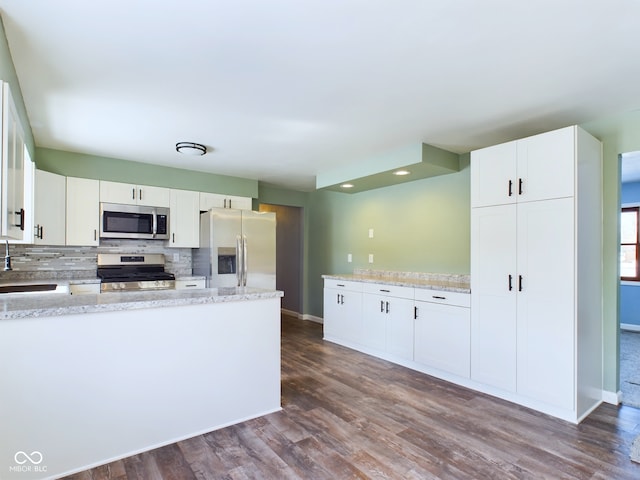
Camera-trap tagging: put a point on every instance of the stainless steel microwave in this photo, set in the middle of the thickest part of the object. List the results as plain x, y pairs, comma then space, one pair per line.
134, 221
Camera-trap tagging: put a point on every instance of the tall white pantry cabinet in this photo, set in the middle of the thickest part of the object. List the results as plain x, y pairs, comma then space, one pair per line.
536, 271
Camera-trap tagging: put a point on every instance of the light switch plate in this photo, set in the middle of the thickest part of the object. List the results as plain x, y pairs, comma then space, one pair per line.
371, 233
371, 258
176, 257
349, 258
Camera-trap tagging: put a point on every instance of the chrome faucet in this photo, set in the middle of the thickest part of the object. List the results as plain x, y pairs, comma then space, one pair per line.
7, 258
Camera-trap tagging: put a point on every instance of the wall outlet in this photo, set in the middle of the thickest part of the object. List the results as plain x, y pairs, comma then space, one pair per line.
371, 258
349, 258
176, 257
371, 233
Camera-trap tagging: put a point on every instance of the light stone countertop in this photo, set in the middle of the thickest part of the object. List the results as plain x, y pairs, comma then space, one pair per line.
13, 306
436, 281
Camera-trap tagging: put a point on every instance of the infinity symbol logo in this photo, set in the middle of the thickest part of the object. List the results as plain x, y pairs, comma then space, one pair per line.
35, 458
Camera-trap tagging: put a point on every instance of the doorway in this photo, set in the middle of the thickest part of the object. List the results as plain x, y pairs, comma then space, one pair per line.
289, 265
630, 279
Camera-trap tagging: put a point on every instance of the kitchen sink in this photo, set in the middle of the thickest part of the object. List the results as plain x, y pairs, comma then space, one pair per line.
34, 288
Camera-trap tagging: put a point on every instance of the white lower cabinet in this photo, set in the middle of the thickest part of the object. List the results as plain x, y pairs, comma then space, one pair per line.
388, 319
343, 311
418, 328
443, 331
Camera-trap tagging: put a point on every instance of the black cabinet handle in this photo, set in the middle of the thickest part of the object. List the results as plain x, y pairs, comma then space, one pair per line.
438, 297
519, 283
381, 306
133, 193
415, 313
341, 299
387, 311
41, 232
338, 298
520, 186
510, 282
20, 215
510, 188
340, 285
386, 291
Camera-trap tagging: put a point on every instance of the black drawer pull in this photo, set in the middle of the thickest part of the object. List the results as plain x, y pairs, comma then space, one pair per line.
438, 297
386, 291
340, 285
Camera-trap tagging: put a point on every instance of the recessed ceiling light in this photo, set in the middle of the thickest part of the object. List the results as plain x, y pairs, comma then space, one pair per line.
347, 185
401, 172
190, 148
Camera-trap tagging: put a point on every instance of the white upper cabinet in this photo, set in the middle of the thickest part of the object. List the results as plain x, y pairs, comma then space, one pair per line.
129, 194
184, 219
83, 211
216, 200
50, 208
13, 213
534, 168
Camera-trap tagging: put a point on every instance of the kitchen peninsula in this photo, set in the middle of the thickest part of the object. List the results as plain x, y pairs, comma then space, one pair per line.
91, 378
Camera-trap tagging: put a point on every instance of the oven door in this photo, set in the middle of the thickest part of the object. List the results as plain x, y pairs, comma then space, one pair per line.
132, 221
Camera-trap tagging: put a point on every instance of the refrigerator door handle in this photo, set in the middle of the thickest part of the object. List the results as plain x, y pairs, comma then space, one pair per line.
239, 261
244, 260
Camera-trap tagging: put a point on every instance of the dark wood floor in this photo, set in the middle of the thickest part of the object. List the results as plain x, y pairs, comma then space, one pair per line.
348, 415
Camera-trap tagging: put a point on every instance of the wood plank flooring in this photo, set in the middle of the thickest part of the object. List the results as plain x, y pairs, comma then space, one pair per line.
347, 415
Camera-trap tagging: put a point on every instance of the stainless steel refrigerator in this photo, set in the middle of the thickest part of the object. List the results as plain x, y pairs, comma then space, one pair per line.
237, 248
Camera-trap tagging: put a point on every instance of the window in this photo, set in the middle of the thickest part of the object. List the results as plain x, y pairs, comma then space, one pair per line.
629, 244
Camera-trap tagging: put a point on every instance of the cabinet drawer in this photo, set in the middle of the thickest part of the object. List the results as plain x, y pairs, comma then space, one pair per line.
443, 297
343, 284
389, 290
186, 284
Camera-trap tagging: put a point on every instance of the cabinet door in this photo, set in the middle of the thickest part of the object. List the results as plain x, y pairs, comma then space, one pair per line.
50, 208
493, 173
211, 200
342, 315
493, 296
443, 337
83, 211
374, 321
154, 196
399, 328
546, 301
240, 203
546, 165
13, 208
116, 192
184, 219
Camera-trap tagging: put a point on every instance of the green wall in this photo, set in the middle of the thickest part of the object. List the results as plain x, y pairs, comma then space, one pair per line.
104, 168
420, 226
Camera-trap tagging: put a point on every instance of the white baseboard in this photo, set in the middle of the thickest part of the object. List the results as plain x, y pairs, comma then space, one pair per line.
313, 318
301, 316
611, 397
630, 327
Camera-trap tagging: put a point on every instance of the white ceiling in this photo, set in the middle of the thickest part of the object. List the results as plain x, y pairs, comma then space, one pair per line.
280, 90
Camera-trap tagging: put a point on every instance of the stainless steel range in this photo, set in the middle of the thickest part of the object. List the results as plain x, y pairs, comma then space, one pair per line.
120, 272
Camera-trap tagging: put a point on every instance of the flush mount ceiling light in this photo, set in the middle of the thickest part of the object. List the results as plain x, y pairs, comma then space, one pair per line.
347, 185
401, 172
190, 148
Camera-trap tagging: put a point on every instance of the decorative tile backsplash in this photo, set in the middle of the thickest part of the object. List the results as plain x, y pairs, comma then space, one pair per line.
33, 262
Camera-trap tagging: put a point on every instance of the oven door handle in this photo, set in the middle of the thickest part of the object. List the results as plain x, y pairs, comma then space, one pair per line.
154, 223
238, 261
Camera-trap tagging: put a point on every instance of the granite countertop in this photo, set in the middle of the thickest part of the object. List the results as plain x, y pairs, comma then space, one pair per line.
437, 281
14, 306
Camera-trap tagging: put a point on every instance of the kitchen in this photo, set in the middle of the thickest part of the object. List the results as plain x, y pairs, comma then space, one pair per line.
342, 221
